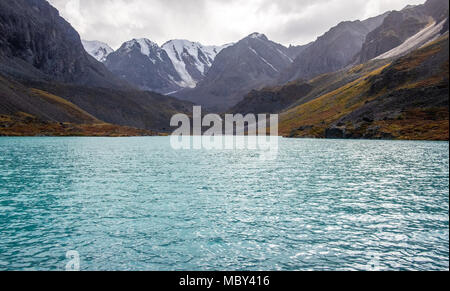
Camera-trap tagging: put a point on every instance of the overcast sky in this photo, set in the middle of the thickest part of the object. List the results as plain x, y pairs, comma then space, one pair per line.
215, 21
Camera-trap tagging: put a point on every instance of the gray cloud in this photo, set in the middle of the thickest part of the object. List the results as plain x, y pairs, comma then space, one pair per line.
215, 21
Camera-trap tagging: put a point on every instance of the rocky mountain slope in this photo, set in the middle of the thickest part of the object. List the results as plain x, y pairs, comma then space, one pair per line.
46, 74
306, 106
332, 51
99, 50
251, 63
399, 26
278, 99
405, 99
36, 43
426, 35
143, 63
387, 36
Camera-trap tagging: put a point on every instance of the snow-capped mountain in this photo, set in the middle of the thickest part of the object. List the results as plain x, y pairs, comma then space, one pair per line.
253, 62
143, 63
191, 60
176, 65
99, 50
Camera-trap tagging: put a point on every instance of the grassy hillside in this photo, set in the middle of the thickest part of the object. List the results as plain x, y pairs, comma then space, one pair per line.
281, 98
77, 121
406, 99
54, 103
23, 124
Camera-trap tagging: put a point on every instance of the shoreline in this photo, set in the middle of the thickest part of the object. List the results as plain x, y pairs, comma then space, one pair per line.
167, 135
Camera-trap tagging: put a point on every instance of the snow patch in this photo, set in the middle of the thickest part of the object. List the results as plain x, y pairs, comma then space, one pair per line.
426, 35
146, 46
264, 60
173, 92
202, 57
256, 35
289, 58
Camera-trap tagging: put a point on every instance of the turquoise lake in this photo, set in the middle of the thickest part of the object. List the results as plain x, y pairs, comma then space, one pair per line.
136, 204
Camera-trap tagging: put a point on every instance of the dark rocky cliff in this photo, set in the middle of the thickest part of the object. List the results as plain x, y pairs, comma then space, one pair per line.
332, 51
33, 37
400, 25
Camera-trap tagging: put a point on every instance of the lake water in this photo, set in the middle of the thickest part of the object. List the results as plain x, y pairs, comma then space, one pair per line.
136, 204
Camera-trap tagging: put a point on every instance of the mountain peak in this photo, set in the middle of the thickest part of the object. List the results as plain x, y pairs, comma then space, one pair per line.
144, 40
181, 42
99, 50
257, 35
144, 44
409, 7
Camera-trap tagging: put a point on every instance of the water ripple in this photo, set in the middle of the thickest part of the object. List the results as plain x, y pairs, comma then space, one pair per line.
135, 204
